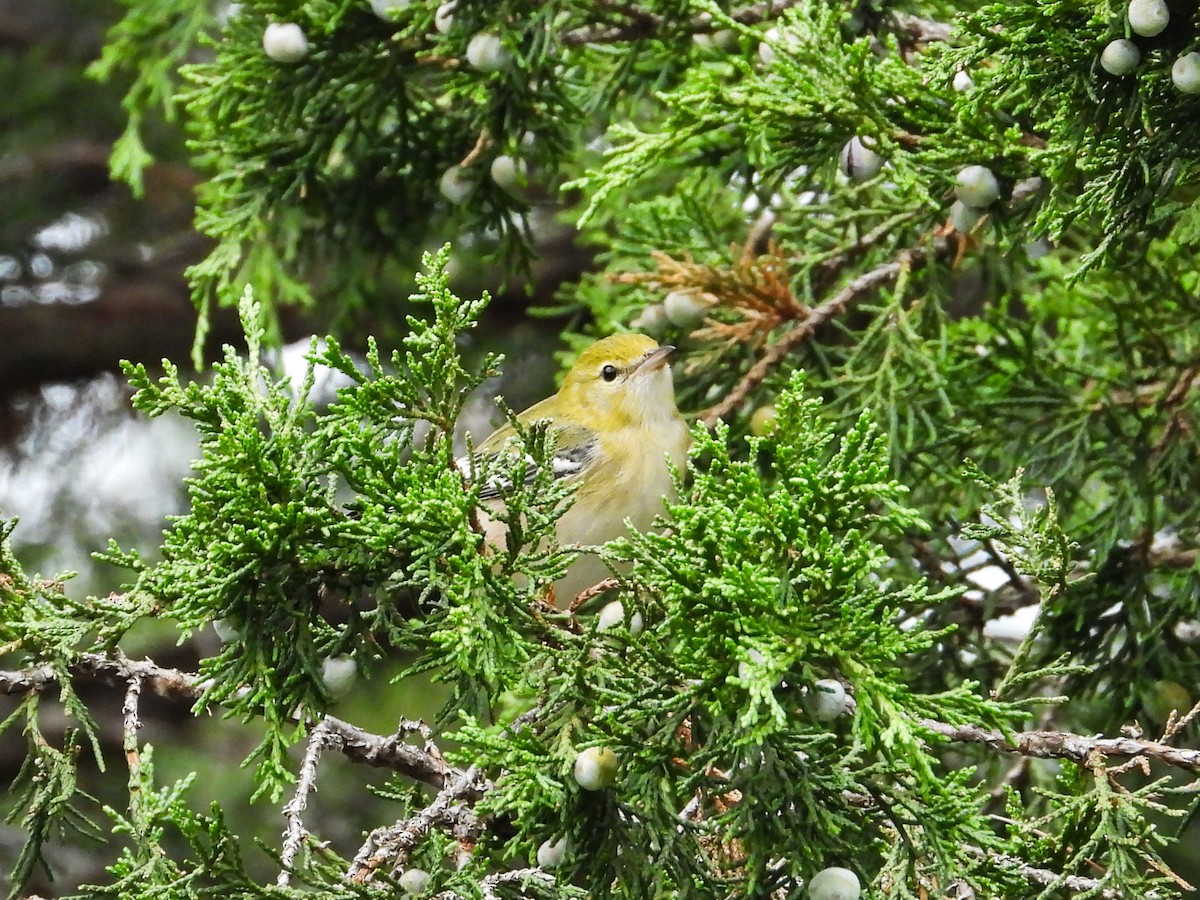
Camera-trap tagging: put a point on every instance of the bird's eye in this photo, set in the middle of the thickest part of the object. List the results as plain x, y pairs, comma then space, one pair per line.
609, 372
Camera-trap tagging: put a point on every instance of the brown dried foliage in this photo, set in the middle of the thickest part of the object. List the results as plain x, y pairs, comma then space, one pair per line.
754, 289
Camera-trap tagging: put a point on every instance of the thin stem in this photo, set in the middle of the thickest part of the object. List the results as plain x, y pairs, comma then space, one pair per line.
295, 832
837, 304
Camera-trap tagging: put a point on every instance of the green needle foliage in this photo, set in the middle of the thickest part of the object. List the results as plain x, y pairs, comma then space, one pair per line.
270, 550
351, 531
771, 188
771, 579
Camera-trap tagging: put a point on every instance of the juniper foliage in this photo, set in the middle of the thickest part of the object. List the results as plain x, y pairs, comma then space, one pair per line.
700, 148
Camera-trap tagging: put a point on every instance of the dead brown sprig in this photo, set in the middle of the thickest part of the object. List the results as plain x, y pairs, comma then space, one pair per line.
754, 289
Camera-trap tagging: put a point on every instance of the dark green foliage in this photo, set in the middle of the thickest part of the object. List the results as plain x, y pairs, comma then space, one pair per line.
366, 125
696, 161
351, 530
47, 796
769, 581
1118, 149
1075, 362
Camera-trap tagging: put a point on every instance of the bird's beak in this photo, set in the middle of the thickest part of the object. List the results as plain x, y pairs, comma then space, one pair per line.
655, 359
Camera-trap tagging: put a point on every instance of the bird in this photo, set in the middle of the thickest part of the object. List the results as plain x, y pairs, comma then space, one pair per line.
615, 424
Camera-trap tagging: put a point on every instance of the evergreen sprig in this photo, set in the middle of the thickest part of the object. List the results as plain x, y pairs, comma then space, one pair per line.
776, 578
702, 144
268, 549
770, 578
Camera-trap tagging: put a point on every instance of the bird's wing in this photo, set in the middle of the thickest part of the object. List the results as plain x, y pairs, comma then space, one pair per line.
575, 447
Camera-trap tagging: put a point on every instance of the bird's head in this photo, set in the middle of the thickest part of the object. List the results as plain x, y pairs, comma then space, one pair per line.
625, 377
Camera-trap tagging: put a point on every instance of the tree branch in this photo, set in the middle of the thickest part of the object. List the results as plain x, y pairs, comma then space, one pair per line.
837, 304
645, 24
1074, 883
132, 724
923, 31
427, 765
489, 884
1065, 745
393, 844
356, 744
295, 833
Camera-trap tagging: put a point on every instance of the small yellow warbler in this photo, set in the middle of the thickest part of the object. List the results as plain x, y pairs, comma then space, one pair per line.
615, 424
